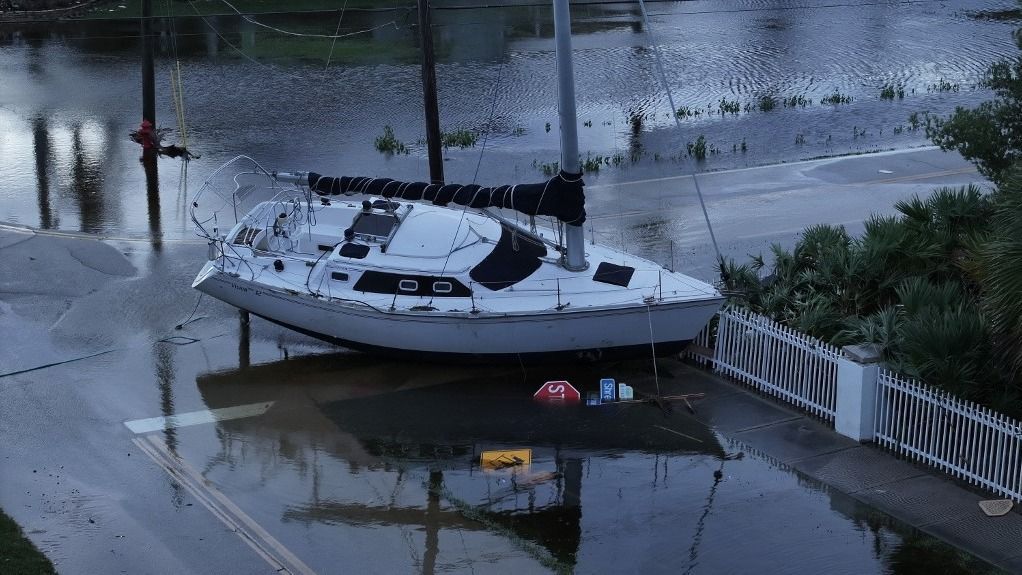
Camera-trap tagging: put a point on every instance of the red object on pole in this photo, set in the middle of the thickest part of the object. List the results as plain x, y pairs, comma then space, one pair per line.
557, 391
146, 135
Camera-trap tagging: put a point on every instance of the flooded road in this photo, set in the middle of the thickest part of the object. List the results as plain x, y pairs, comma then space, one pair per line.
131, 444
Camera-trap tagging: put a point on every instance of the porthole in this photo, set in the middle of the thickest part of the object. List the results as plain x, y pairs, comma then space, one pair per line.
408, 285
442, 287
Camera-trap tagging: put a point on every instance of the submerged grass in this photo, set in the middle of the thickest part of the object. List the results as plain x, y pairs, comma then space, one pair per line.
767, 103
122, 9
943, 86
459, 138
17, 554
836, 98
389, 144
889, 91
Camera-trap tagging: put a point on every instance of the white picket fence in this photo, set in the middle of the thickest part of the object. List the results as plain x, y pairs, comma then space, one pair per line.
774, 359
915, 420
958, 437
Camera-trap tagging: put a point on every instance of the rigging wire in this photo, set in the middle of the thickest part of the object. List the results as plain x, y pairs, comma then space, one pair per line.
333, 43
479, 162
677, 120
252, 20
176, 84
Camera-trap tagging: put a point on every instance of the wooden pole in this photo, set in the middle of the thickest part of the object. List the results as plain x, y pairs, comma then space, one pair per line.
436, 160
148, 69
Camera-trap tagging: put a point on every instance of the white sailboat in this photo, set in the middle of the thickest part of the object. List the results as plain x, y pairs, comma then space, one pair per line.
433, 271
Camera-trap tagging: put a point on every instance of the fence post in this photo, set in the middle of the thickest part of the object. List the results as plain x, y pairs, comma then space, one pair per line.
857, 372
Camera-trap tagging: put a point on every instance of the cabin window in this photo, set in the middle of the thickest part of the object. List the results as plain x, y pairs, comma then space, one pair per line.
421, 285
339, 276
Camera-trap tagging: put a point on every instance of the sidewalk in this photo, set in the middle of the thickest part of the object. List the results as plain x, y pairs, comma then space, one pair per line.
919, 496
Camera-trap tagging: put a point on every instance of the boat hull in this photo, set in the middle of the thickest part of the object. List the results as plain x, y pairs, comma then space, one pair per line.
590, 334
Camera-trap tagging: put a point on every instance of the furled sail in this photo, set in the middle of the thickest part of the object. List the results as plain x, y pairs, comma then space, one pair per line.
561, 196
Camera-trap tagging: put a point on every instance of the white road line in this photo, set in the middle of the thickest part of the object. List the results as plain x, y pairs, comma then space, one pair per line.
149, 425
280, 559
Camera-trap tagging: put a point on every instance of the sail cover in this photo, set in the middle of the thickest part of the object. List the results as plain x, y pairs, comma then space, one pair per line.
561, 196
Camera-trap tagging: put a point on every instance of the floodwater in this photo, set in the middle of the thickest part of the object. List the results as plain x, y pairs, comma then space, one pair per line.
372, 465
71, 93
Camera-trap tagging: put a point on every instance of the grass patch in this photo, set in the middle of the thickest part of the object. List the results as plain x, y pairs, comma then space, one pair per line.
889, 91
729, 106
133, 9
767, 103
458, 138
797, 101
354, 50
389, 144
836, 98
17, 554
686, 112
943, 86
997, 15
698, 148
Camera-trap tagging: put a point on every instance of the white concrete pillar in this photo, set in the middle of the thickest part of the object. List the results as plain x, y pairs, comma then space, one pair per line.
857, 374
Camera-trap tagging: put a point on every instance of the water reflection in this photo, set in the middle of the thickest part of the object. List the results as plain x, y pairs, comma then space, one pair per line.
433, 422
86, 184
152, 188
43, 157
354, 448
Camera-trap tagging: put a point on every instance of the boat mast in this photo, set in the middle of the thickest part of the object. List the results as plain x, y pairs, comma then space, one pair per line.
575, 258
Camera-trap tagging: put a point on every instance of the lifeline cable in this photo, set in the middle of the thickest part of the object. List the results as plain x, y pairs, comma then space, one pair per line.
677, 120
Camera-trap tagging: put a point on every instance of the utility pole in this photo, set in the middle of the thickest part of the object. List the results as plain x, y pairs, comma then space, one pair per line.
148, 79
436, 160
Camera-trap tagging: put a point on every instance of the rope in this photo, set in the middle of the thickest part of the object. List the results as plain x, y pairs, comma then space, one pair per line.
652, 347
677, 120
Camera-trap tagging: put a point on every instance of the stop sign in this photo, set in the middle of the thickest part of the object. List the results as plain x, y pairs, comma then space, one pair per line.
557, 391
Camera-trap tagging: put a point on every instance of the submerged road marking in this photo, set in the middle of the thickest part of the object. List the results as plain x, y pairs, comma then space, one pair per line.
280, 558
151, 424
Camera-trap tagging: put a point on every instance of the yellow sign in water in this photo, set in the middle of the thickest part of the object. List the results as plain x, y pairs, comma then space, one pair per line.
505, 458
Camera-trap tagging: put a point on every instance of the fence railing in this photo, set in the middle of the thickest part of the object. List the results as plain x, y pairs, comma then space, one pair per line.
775, 359
918, 421
956, 436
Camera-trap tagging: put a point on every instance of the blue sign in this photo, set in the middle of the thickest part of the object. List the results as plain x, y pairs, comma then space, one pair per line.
607, 389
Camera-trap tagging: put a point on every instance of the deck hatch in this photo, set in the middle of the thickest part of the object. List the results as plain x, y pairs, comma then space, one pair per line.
357, 251
613, 274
